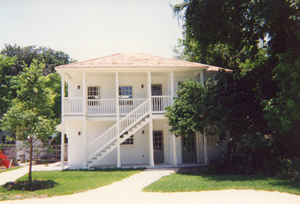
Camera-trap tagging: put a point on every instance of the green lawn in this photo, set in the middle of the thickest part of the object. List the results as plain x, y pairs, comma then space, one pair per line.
186, 181
10, 169
69, 182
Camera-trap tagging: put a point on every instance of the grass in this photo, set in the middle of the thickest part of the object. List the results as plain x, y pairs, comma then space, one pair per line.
68, 182
192, 181
10, 169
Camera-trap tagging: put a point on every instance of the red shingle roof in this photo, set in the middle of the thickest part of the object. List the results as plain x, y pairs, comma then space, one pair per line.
137, 60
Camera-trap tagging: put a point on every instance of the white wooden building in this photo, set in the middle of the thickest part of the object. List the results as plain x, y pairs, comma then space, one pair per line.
113, 112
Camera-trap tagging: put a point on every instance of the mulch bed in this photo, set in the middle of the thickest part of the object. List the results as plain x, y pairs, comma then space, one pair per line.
30, 186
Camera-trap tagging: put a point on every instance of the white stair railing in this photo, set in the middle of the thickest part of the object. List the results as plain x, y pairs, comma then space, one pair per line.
110, 135
128, 105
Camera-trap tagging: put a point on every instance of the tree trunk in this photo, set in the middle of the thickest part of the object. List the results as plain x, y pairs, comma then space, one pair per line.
30, 159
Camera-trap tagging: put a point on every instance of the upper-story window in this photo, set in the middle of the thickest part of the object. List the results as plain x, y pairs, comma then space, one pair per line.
125, 92
93, 92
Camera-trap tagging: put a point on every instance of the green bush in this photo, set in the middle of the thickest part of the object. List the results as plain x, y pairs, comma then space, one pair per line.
278, 166
289, 169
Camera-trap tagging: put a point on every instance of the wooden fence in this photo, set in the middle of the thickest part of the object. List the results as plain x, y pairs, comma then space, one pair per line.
41, 153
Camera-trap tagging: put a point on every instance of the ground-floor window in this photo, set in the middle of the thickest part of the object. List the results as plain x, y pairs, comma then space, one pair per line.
212, 139
129, 141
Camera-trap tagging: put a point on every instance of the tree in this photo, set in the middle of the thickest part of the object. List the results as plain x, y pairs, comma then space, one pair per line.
187, 113
259, 41
30, 114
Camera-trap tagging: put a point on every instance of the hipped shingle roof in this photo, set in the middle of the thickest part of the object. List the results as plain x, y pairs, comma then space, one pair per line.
137, 60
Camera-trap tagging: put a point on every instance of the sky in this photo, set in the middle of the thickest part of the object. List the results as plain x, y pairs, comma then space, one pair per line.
88, 29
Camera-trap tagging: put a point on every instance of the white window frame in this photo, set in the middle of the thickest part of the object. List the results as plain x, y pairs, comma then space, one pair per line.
129, 142
126, 96
91, 95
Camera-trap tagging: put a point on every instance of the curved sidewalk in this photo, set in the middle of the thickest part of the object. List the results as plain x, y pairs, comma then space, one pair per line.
128, 191
15, 174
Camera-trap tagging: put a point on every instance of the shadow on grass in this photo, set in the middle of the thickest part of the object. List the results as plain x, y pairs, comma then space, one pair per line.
287, 184
30, 186
226, 177
105, 169
273, 181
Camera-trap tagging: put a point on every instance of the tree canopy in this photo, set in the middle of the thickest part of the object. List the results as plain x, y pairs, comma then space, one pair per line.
12, 62
26, 55
237, 28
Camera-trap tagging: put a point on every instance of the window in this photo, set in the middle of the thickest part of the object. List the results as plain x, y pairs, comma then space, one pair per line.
129, 141
93, 94
125, 93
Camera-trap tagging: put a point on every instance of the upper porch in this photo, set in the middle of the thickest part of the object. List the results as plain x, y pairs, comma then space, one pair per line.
74, 106
102, 94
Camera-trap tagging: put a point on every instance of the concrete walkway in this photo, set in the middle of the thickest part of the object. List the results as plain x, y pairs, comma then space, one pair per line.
15, 174
128, 191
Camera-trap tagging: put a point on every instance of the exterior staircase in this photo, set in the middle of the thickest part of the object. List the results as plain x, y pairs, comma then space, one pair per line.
108, 141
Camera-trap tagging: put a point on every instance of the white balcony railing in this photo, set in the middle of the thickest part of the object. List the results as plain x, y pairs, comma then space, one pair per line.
101, 107
73, 106
107, 107
159, 103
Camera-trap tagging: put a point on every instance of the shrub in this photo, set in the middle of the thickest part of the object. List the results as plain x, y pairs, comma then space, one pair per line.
289, 169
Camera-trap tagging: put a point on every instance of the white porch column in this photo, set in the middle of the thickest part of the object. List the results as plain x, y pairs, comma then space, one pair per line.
172, 85
149, 94
175, 162
118, 121
151, 156
63, 94
202, 76
84, 94
62, 147
84, 142
198, 147
205, 150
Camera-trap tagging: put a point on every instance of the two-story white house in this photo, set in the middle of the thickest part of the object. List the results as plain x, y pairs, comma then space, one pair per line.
113, 112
